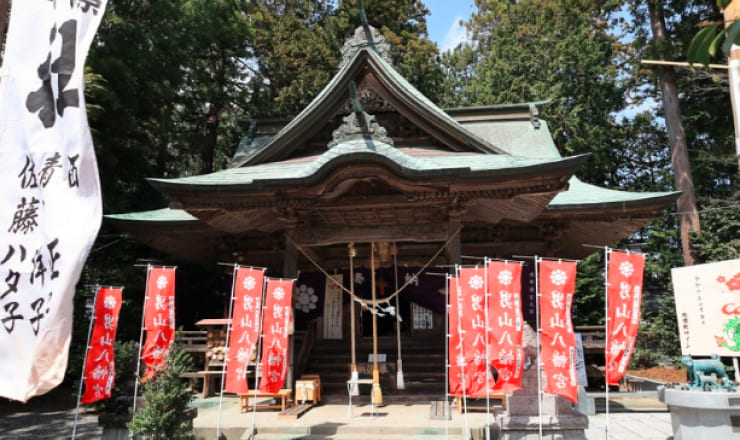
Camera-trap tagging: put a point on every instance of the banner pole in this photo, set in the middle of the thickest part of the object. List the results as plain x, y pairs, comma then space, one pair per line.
462, 345
447, 356
606, 338
486, 294
258, 358
84, 361
539, 365
229, 325
141, 338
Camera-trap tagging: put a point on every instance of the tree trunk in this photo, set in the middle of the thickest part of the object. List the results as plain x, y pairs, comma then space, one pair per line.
211, 138
686, 204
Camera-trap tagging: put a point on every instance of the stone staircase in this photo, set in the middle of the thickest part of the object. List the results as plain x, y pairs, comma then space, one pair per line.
423, 368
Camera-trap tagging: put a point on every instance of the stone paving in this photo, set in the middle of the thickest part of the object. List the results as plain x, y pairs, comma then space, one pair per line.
645, 423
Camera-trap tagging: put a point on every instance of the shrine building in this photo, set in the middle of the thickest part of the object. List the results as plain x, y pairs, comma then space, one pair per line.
372, 161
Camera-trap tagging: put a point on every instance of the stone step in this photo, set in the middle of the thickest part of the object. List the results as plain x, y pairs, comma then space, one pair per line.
353, 437
356, 432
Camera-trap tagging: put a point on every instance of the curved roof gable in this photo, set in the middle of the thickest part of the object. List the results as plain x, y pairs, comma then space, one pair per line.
367, 65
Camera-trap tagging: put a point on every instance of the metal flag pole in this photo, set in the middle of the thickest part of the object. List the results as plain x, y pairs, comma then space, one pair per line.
400, 383
606, 337
141, 337
229, 326
539, 330
84, 360
486, 294
447, 356
257, 359
458, 294
354, 376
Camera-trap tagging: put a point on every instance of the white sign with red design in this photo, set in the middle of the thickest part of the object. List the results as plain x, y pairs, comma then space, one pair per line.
624, 291
557, 342
708, 308
159, 318
506, 323
100, 364
469, 372
246, 321
276, 325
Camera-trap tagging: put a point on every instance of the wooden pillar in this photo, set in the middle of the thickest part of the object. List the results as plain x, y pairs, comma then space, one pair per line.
290, 270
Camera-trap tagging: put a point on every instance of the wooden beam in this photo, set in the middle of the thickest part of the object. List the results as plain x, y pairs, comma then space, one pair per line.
323, 236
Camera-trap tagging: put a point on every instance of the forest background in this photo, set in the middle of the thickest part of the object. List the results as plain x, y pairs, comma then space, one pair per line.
171, 87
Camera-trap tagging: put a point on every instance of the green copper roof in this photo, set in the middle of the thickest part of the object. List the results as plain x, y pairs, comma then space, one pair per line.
157, 215
457, 165
584, 195
336, 93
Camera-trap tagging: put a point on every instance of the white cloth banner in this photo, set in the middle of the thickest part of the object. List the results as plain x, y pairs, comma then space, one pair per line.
50, 206
708, 308
333, 308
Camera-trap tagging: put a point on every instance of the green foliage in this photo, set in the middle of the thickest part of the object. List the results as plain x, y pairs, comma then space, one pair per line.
295, 55
403, 24
559, 50
719, 239
705, 43
590, 290
164, 413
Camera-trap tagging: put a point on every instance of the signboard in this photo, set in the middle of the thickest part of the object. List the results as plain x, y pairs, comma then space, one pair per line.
333, 307
708, 308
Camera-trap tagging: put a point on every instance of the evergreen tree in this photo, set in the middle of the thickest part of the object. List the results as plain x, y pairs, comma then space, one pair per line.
164, 414
536, 50
295, 55
403, 24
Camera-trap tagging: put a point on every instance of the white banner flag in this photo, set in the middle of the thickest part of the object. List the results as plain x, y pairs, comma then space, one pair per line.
50, 207
708, 308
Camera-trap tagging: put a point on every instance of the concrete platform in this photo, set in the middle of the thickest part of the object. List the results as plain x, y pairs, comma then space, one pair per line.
406, 421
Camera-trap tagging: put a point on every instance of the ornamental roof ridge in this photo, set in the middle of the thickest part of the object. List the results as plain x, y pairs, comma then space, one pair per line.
365, 37
353, 127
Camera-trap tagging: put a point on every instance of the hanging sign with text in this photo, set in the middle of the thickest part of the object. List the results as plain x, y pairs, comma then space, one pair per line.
275, 327
506, 323
558, 343
246, 321
159, 318
624, 291
50, 204
100, 364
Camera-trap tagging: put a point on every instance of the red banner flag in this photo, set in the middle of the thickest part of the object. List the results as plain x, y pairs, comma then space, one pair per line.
558, 342
275, 326
246, 322
159, 318
469, 368
506, 323
624, 292
100, 364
